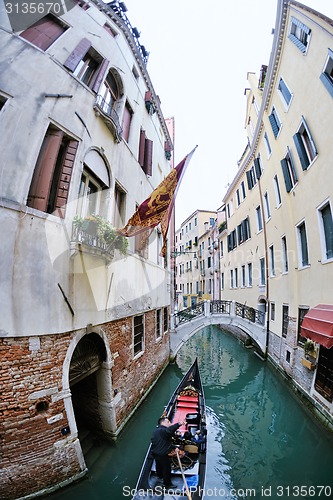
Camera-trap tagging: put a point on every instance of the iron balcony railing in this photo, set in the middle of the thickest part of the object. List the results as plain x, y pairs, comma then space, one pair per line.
93, 241
110, 116
249, 313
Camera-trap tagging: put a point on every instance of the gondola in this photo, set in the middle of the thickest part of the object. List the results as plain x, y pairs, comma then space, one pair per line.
188, 473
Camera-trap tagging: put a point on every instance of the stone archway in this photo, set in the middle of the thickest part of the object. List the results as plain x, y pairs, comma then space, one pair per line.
86, 361
87, 385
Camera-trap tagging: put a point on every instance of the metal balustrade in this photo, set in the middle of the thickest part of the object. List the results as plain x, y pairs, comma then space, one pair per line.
220, 306
249, 313
189, 313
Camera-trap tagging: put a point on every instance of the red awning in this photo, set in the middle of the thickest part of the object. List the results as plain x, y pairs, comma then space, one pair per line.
317, 325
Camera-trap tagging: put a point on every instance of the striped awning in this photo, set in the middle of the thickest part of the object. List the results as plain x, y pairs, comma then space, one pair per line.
317, 325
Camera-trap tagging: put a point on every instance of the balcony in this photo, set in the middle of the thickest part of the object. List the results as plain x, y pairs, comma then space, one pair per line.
96, 237
109, 116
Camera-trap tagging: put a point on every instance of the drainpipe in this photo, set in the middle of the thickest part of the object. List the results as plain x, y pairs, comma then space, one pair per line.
266, 269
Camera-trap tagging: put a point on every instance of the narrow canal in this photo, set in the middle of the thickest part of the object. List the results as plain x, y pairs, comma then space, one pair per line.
262, 443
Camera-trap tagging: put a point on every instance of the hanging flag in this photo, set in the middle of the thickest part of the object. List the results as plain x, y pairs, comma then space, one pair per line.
157, 208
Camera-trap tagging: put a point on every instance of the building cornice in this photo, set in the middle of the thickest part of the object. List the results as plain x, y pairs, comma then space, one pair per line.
281, 15
103, 7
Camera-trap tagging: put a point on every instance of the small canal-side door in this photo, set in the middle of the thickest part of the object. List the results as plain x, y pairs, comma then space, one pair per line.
90, 385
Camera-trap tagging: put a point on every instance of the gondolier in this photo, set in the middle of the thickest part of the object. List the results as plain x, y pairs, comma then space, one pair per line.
161, 446
185, 411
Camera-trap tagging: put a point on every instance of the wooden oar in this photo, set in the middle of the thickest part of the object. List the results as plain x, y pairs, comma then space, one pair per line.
183, 476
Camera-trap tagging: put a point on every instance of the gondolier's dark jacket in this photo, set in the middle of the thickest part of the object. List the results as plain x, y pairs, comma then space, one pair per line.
161, 439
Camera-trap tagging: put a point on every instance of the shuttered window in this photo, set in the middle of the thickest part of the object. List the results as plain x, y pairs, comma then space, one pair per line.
51, 179
127, 119
145, 153
302, 245
284, 92
44, 32
257, 167
299, 34
289, 172
305, 145
327, 75
87, 65
275, 122
327, 225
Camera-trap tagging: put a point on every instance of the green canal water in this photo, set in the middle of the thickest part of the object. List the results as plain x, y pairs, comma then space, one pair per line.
262, 443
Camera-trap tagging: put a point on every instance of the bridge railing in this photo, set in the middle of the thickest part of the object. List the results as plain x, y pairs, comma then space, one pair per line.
220, 307
249, 313
189, 313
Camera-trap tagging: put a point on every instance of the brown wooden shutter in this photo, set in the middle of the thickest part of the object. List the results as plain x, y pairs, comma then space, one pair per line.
148, 164
99, 76
127, 117
43, 174
65, 177
78, 54
43, 33
142, 147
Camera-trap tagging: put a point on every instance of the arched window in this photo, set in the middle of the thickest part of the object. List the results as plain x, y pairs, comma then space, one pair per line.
95, 179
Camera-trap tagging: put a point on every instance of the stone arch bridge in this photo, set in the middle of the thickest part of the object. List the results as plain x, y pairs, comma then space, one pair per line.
219, 312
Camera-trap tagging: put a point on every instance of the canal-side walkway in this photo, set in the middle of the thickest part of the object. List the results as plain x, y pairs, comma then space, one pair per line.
225, 313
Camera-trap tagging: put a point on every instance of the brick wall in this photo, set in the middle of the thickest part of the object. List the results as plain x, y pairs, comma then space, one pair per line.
34, 453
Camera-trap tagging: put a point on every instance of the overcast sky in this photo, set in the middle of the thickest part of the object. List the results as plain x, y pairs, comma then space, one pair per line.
199, 55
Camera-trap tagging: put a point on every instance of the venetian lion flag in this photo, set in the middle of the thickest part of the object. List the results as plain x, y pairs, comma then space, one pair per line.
157, 208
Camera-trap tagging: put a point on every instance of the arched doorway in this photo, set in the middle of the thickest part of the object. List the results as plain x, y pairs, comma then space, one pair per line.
91, 388
262, 305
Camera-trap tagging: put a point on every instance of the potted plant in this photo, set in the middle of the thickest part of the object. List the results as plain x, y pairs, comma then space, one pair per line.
310, 350
98, 226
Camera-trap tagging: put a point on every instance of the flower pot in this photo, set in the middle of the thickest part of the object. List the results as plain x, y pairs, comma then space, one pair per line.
310, 365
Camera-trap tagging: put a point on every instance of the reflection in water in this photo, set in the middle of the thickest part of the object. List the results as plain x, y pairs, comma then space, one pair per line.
259, 435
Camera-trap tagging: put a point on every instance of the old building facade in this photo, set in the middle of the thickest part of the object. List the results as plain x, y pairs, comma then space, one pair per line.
84, 326
277, 244
193, 260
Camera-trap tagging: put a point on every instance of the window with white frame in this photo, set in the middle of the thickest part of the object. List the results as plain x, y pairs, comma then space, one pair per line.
222, 281
284, 93
284, 254
119, 206
249, 273
326, 230
243, 190
231, 278
236, 277
267, 207
158, 323
259, 218
272, 311
243, 277
289, 171
275, 122
277, 190
262, 271
305, 145
238, 200
272, 261
267, 145
138, 334
255, 105
299, 34
327, 75
89, 194
303, 254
